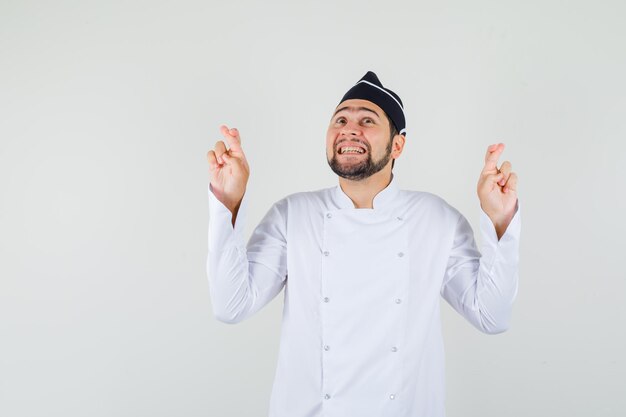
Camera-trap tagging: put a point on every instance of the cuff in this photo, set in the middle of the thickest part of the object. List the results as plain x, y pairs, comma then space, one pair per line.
222, 234
507, 246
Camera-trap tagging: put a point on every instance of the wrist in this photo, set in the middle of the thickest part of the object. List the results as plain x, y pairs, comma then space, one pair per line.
232, 204
234, 207
500, 223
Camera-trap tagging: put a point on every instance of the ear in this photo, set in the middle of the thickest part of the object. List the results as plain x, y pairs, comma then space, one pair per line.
397, 146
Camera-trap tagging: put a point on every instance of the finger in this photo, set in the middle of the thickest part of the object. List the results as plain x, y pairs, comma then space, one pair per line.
511, 184
232, 137
220, 149
505, 169
212, 160
490, 181
491, 158
235, 164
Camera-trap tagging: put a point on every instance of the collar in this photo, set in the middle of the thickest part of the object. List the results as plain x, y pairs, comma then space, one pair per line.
383, 199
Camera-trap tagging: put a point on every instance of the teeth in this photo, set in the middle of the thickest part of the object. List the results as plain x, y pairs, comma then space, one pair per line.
351, 149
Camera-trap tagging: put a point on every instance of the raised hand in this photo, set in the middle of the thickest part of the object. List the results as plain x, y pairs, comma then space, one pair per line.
229, 170
497, 189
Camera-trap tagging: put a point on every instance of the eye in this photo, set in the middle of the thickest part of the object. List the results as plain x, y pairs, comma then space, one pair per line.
340, 120
367, 120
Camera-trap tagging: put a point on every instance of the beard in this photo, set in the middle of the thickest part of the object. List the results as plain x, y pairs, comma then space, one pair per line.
363, 169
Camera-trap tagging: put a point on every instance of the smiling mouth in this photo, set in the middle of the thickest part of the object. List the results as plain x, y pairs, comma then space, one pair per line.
351, 150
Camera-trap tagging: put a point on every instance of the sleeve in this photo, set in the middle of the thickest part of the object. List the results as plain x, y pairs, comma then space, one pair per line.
243, 279
482, 288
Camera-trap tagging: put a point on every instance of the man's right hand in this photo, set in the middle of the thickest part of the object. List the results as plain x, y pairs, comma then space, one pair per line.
229, 170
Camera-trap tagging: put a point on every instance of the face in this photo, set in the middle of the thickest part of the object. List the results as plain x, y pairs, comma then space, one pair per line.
357, 141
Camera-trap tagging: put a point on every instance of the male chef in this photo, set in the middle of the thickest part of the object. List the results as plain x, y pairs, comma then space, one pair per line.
364, 266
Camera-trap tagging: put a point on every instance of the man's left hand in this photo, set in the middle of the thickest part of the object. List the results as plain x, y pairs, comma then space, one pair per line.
497, 189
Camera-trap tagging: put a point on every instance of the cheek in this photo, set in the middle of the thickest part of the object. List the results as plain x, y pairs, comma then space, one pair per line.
330, 140
329, 152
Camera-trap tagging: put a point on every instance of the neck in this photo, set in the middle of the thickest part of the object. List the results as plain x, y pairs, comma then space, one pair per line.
362, 192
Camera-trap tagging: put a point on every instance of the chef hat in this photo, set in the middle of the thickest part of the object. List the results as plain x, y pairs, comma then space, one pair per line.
371, 89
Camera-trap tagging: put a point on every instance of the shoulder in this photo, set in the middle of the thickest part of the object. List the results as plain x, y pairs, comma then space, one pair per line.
430, 205
305, 199
310, 196
427, 200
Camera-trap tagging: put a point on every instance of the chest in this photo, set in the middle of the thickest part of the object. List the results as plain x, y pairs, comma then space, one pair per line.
364, 252
365, 259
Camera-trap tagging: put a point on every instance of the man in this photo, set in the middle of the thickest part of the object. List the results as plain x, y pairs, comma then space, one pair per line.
363, 265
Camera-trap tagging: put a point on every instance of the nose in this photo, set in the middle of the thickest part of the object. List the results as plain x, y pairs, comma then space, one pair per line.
350, 128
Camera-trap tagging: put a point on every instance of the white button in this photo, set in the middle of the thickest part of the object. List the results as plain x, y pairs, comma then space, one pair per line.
326, 348
394, 349
398, 301
400, 254
328, 215
392, 397
326, 396
326, 253
326, 299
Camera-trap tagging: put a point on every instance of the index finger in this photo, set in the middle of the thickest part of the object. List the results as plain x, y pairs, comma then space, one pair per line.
491, 158
232, 137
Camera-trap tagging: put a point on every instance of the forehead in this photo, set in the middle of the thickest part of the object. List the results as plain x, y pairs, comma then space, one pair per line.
358, 105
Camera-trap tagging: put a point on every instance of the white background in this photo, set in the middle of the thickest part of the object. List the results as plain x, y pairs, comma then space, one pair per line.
107, 111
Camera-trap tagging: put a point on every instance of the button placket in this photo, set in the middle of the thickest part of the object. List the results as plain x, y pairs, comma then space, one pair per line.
393, 350
333, 251
325, 300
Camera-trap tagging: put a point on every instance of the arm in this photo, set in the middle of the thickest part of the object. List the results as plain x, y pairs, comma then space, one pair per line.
244, 279
241, 281
482, 288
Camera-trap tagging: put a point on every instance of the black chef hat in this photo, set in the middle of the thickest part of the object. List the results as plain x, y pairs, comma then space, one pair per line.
371, 89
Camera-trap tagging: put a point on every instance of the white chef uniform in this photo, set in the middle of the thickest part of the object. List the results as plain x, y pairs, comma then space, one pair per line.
361, 331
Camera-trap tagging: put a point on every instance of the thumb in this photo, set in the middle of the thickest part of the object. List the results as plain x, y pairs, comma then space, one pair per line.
227, 158
237, 166
230, 160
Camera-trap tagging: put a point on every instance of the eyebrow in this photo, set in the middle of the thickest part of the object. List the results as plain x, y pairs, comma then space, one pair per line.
353, 109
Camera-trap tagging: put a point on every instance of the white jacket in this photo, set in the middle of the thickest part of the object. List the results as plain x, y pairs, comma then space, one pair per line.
361, 332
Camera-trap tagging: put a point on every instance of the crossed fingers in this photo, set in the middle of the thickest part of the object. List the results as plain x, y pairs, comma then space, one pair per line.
503, 176
220, 155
